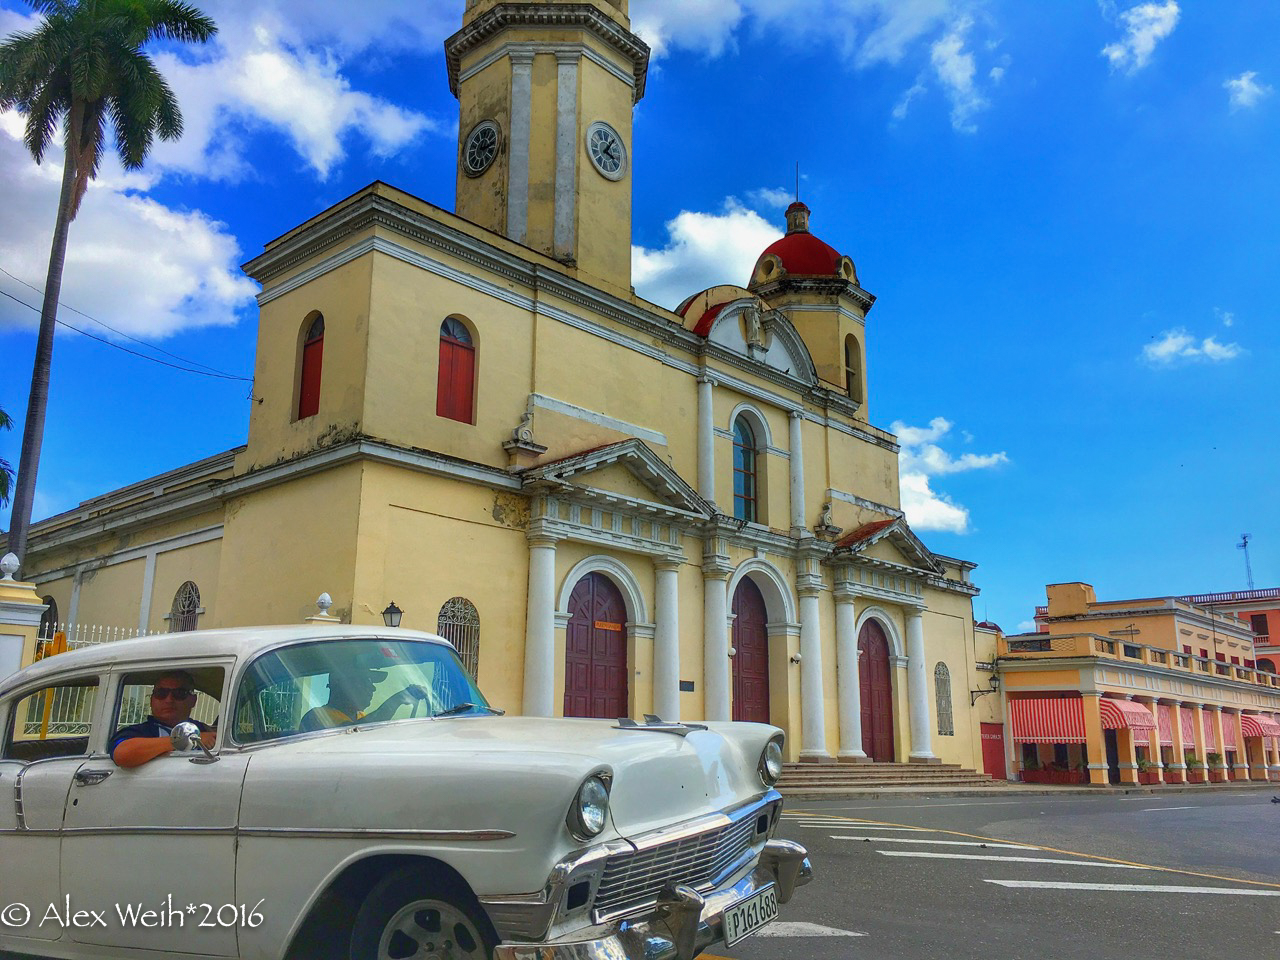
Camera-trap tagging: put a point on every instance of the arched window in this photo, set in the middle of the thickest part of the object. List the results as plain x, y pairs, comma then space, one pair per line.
309, 373
853, 368
1266, 666
459, 623
48, 619
942, 689
456, 384
746, 487
185, 613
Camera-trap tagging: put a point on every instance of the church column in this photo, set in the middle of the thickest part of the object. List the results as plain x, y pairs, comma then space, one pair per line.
540, 629
706, 442
715, 630
797, 473
1176, 770
666, 641
566, 151
849, 692
918, 690
518, 144
813, 728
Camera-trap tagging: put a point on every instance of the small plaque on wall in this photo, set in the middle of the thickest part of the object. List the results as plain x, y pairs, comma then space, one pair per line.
686, 686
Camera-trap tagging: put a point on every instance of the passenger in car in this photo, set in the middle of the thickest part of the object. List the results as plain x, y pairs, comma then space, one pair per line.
172, 699
350, 692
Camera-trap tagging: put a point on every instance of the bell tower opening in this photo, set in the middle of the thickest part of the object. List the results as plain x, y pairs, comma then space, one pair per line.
546, 92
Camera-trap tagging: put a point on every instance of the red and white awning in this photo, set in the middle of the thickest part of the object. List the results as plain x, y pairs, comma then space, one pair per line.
1256, 726
1118, 714
1188, 728
1230, 737
1164, 716
1047, 720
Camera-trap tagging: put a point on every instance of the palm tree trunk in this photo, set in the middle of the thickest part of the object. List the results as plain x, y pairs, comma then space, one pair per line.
38, 400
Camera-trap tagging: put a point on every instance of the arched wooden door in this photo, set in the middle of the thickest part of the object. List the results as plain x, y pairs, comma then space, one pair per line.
751, 662
595, 669
877, 692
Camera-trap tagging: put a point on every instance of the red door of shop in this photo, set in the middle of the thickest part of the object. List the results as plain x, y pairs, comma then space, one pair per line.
751, 661
876, 686
595, 669
993, 751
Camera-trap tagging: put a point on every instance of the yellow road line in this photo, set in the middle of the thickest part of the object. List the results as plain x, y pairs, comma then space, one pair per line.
1072, 853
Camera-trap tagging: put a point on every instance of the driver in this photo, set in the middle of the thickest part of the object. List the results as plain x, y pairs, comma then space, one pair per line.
350, 692
173, 697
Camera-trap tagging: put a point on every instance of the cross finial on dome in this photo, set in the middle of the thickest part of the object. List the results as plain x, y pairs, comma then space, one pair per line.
797, 218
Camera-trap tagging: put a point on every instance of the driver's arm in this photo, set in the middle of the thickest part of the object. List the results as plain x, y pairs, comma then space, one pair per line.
136, 751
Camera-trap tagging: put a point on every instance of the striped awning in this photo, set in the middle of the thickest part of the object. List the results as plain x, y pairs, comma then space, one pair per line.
1188, 728
1047, 720
1117, 714
1211, 744
1255, 726
1164, 716
1229, 732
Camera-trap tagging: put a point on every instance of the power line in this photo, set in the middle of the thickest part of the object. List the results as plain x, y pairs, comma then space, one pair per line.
208, 372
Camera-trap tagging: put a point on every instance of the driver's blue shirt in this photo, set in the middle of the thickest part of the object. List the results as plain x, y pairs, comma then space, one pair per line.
150, 727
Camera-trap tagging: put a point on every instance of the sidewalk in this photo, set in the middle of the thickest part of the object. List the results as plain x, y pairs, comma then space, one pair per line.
1016, 790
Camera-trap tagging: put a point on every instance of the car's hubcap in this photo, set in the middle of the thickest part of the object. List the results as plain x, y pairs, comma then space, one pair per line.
430, 930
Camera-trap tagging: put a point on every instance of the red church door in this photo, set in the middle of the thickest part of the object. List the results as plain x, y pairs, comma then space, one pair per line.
595, 669
751, 662
993, 750
876, 686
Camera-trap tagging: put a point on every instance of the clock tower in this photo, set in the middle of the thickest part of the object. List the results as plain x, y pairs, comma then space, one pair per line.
546, 91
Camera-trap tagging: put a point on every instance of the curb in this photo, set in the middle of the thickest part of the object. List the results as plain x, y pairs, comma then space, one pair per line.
1014, 791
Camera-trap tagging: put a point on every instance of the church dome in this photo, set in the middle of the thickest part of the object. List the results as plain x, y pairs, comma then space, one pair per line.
800, 253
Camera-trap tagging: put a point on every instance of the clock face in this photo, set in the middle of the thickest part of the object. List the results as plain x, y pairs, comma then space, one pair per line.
480, 149
607, 151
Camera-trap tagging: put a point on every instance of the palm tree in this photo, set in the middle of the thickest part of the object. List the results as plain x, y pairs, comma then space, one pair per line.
6, 471
84, 68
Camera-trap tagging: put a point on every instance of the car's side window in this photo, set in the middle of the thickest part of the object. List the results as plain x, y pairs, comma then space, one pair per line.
136, 700
56, 721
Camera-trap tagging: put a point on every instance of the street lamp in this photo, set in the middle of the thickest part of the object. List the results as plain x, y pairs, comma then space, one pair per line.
993, 680
391, 616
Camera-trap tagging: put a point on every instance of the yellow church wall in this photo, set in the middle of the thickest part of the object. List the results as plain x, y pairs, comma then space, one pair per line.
485, 96
861, 468
948, 639
542, 154
604, 206
275, 433
198, 563
109, 595
692, 646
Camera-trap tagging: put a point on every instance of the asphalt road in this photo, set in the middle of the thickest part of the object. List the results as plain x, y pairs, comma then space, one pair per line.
1186, 876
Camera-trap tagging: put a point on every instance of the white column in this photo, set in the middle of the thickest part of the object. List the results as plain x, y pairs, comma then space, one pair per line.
518, 145
540, 630
715, 629
706, 442
918, 689
666, 642
797, 471
847, 687
813, 728
566, 151
148, 587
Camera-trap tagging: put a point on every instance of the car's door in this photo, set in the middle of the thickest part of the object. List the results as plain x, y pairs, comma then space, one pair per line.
47, 735
160, 837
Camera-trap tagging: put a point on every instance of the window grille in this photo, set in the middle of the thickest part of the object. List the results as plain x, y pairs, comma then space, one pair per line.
185, 613
459, 623
942, 686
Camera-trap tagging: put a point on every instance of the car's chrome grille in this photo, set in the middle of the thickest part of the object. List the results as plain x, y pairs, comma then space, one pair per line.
701, 860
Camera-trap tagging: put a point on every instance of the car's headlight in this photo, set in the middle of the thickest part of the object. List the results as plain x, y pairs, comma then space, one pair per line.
771, 763
590, 809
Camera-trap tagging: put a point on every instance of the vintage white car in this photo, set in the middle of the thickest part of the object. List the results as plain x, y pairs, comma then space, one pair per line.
364, 801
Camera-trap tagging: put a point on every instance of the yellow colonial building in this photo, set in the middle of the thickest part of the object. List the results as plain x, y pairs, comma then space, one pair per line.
612, 508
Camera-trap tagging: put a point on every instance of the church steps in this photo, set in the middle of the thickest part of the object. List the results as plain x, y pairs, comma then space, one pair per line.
814, 780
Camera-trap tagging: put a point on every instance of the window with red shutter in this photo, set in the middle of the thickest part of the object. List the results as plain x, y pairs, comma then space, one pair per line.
456, 383
309, 376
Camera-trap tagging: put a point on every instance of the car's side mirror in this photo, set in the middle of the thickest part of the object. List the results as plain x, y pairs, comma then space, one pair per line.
185, 738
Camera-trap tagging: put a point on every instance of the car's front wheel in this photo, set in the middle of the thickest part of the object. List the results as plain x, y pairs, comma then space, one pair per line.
412, 914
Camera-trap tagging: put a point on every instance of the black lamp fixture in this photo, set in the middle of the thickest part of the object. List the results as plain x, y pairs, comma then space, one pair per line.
993, 681
391, 616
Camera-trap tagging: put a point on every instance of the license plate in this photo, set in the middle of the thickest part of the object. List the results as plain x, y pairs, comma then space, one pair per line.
747, 916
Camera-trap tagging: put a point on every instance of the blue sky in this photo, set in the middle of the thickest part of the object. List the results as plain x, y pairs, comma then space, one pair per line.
1068, 213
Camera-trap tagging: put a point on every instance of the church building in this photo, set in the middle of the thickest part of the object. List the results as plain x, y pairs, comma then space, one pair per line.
612, 508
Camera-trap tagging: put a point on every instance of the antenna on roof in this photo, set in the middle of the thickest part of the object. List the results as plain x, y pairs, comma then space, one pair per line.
1248, 569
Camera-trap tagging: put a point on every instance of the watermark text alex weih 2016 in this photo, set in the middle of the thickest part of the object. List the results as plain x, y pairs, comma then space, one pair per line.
129, 915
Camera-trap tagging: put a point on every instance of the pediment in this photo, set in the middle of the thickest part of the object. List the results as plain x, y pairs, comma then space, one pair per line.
749, 327
618, 473
888, 541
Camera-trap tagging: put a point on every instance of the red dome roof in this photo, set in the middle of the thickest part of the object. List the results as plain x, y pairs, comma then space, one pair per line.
805, 254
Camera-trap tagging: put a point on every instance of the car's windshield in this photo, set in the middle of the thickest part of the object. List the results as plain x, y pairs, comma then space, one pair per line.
336, 683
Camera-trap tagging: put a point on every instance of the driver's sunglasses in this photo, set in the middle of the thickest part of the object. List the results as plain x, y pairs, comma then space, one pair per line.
164, 693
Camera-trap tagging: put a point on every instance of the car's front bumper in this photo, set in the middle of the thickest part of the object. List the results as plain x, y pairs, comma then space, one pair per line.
683, 923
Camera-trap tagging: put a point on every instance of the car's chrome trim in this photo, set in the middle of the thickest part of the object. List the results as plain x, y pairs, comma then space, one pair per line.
320, 833
17, 799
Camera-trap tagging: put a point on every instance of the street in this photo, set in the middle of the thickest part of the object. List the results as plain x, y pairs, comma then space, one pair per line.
911, 878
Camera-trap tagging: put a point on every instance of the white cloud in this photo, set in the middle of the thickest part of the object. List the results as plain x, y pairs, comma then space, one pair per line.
704, 25
1028, 626
1145, 25
920, 460
131, 262
1245, 90
702, 250
1226, 316
903, 106
955, 68
1178, 345
777, 198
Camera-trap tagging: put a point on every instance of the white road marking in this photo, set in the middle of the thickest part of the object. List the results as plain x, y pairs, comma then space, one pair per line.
979, 856
1136, 888
942, 843
834, 824
780, 928
1154, 809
